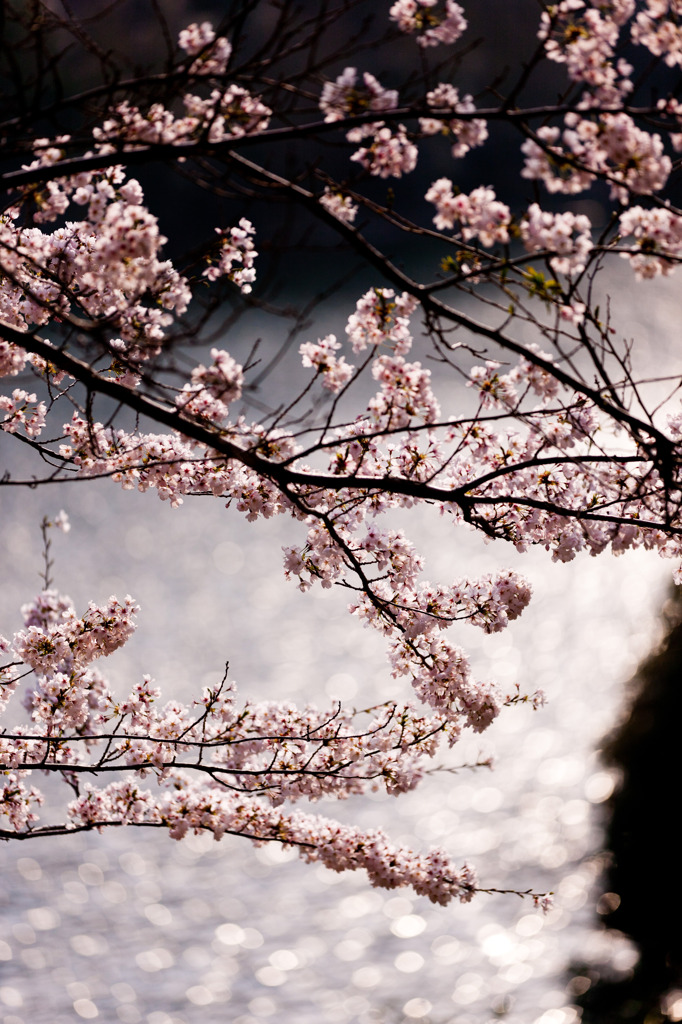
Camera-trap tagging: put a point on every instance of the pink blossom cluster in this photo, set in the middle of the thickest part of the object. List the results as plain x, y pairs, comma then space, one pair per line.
223, 114
171, 465
236, 256
284, 753
188, 807
334, 372
12, 359
467, 134
411, 614
212, 52
223, 378
105, 265
341, 206
441, 677
521, 504
538, 380
568, 235
673, 109
56, 637
657, 237
53, 200
533, 494
415, 614
174, 466
584, 35
658, 29
18, 803
346, 96
434, 21
22, 410
389, 153
480, 214
630, 158
59, 647
229, 113
382, 318
495, 389
511, 502
138, 460
196, 402
383, 444
406, 394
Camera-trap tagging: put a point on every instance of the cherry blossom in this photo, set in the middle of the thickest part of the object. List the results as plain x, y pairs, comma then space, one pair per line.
476, 376
632, 160
346, 96
322, 356
658, 30
584, 36
20, 415
467, 134
434, 21
480, 214
658, 240
339, 205
382, 318
554, 232
270, 752
389, 154
236, 247
212, 52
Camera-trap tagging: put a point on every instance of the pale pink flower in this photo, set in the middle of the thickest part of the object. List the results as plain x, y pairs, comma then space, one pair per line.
389, 154
335, 372
341, 206
347, 96
567, 235
236, 256
467, 134
434, 21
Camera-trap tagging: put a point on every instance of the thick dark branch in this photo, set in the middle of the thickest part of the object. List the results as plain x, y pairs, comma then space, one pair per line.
134, 153
68, 829
281, 475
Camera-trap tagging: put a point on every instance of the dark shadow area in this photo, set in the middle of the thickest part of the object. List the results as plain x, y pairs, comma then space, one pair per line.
644, 897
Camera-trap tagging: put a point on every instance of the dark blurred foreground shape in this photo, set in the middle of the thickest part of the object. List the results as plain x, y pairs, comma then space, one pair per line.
642, 839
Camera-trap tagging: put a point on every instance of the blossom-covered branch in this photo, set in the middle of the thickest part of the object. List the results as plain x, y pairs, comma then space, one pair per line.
477, 370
